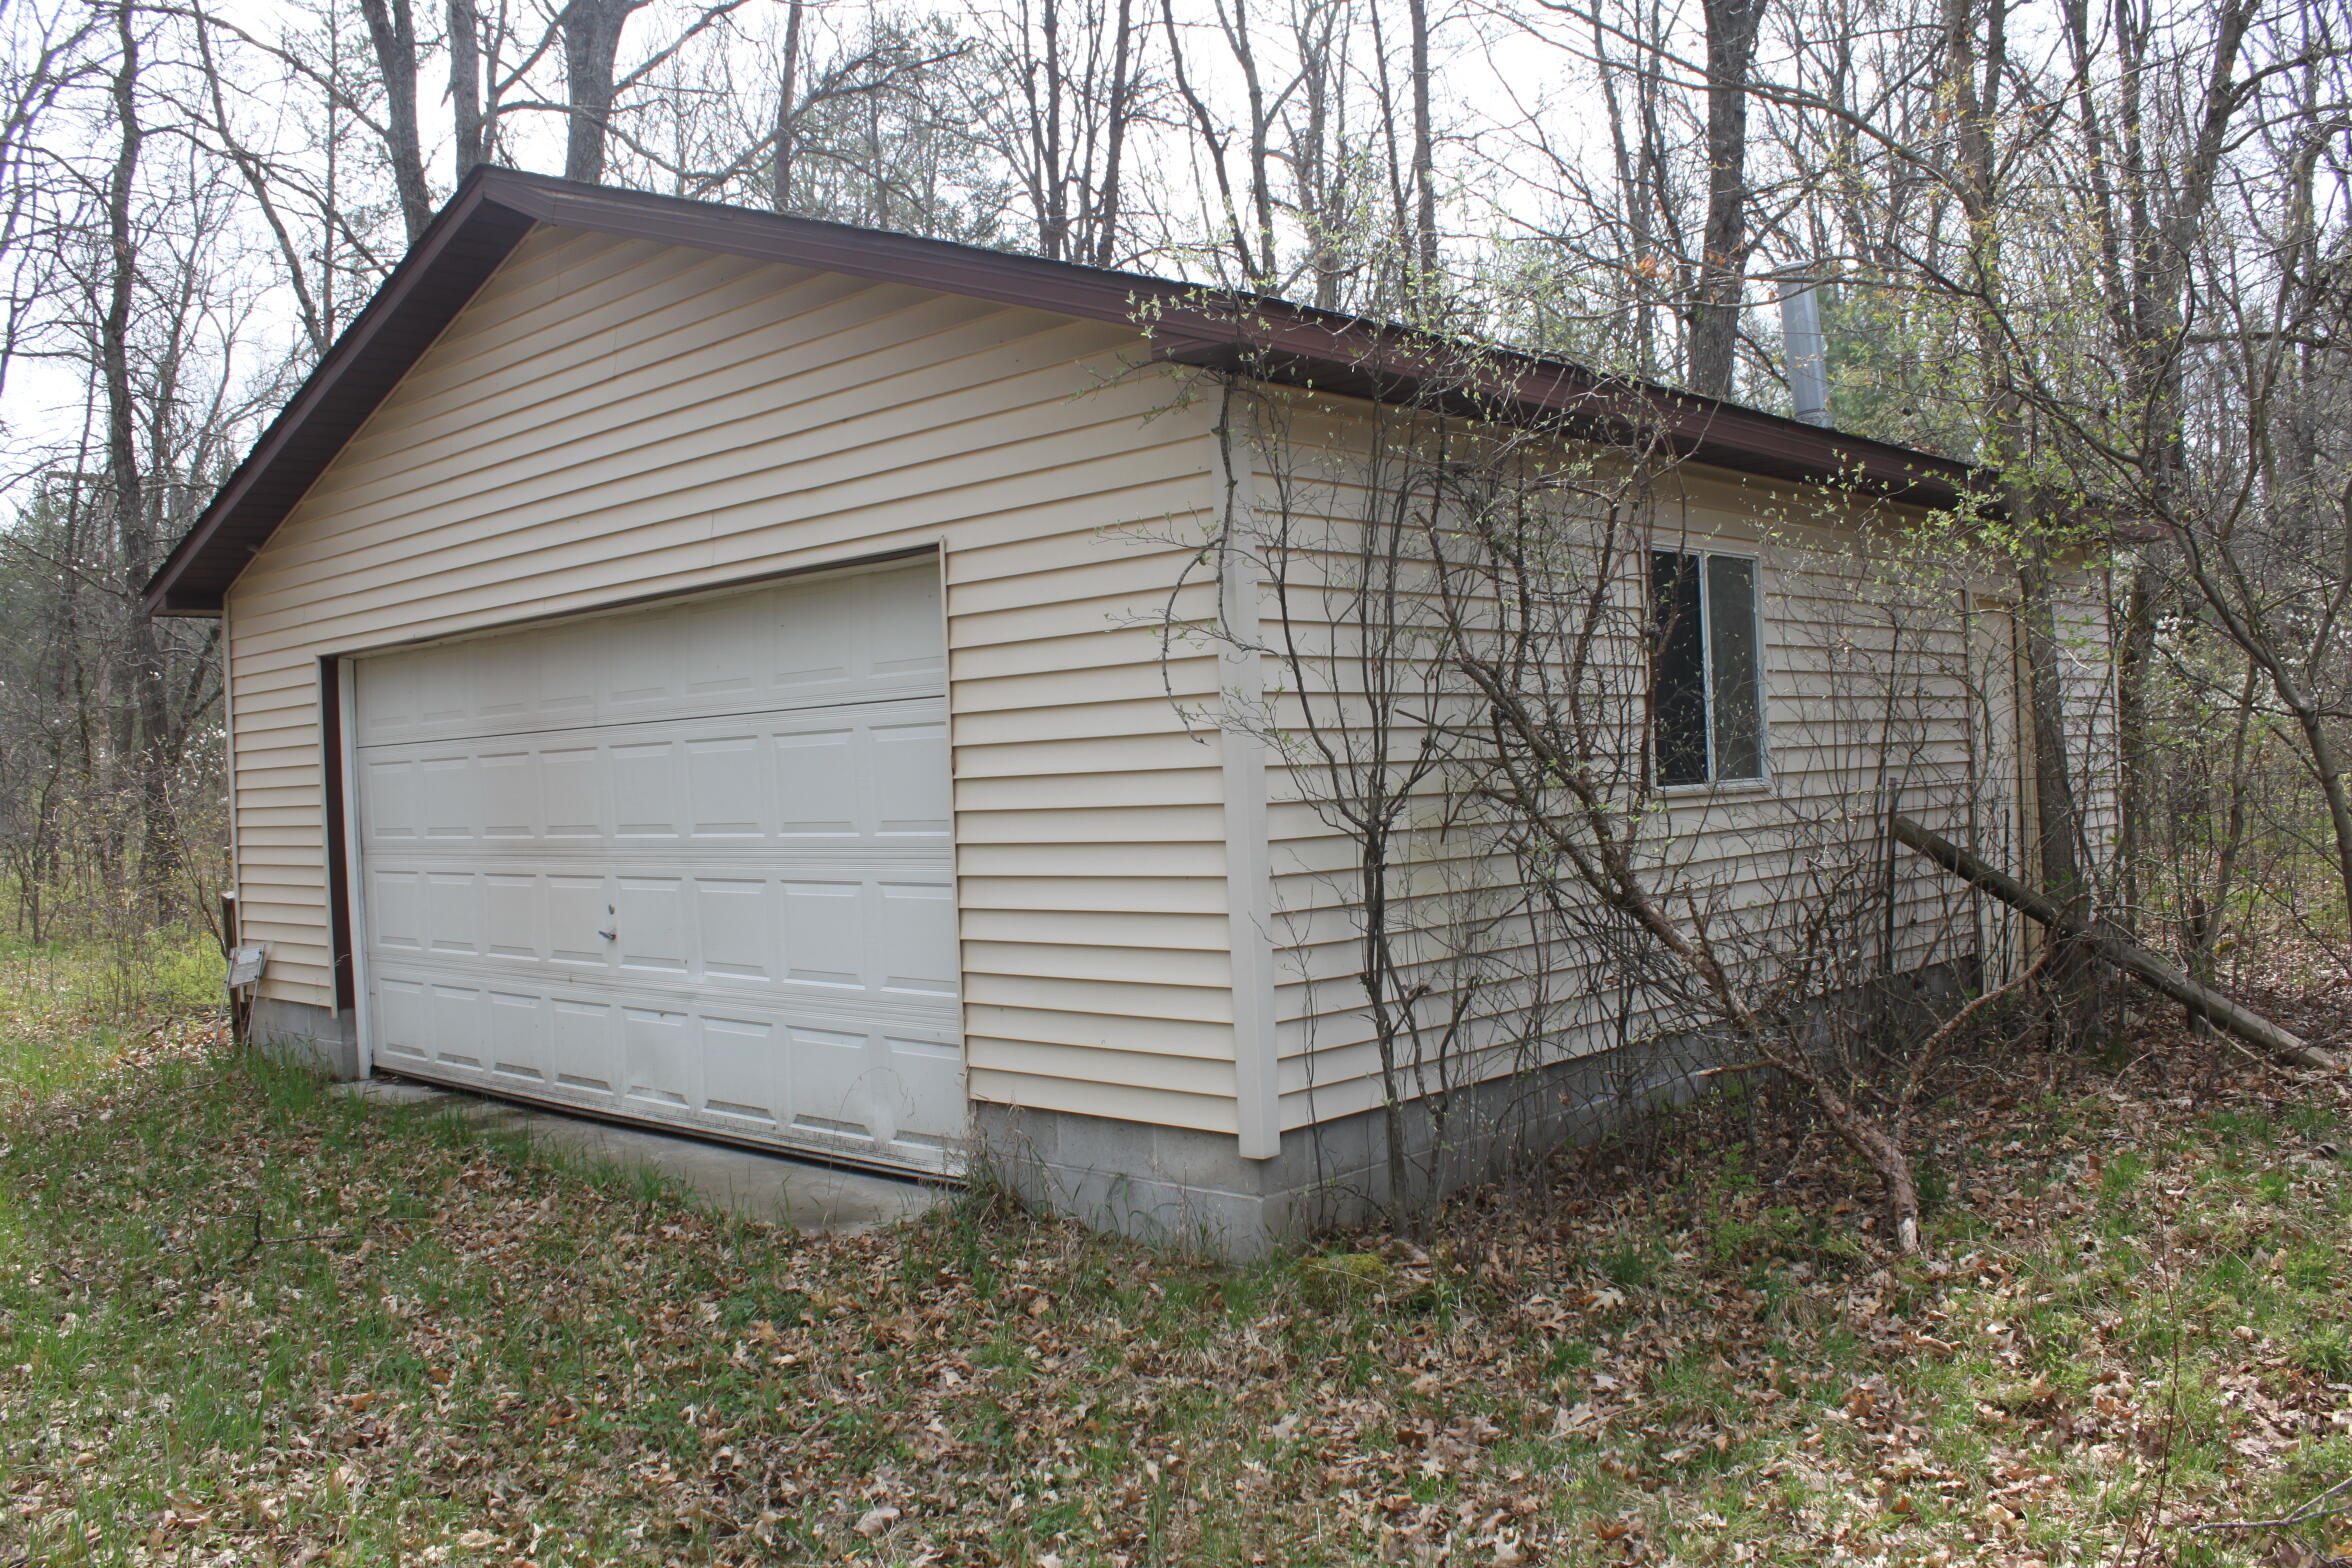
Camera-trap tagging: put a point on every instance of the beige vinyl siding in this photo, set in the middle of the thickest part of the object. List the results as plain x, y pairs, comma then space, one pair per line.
1819, 571
2088, 647
611, 419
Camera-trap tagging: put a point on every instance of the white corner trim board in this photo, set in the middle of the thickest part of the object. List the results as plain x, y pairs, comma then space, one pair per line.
1249, 870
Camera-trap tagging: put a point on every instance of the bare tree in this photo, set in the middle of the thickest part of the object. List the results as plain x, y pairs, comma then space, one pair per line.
1056, 87
1732, 27
392, 29
591, 32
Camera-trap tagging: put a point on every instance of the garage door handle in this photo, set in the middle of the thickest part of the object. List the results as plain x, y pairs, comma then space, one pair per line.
609, 935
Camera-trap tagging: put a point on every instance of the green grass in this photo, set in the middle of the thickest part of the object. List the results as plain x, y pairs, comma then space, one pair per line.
68, 1009
247, 1319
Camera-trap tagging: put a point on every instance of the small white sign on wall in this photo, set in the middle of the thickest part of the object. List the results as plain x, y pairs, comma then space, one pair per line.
247, 963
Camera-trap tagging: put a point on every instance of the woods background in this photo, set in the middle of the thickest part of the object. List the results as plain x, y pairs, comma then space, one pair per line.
2102, 248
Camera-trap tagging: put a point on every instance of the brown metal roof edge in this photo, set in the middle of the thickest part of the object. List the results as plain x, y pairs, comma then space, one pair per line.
1503, 385
462, 246
1196, 325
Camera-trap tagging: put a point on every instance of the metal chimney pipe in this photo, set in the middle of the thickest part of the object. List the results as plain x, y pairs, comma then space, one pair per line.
1808, 355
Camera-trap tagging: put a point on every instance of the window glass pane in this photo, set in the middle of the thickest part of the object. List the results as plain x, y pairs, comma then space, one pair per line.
1731, 637
1678, 669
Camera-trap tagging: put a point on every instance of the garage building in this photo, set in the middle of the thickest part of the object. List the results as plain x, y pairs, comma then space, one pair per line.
694, 665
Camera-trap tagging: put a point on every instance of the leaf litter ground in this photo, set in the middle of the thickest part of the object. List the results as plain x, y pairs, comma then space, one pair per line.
243, 1320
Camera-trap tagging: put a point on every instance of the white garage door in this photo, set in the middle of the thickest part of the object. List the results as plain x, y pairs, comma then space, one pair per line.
687, 864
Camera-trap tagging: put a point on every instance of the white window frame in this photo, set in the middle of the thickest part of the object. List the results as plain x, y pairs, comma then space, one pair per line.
1711, 784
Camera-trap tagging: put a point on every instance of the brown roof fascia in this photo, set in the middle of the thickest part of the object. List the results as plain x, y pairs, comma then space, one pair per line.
1372, 360
490, 213
998, 276
1278, 340
1187, 324
461, 247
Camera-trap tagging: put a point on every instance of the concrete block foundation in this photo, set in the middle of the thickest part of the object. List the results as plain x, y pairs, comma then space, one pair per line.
1194, 1191
301, 1032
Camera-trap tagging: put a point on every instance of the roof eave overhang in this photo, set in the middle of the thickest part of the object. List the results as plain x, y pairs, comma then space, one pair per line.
1271, 340
1579, 405
464, 245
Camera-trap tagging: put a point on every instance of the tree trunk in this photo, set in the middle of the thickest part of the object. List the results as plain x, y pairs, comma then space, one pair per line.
465, 85
2111, 946
144, 722
591, 45
1424, 155
2058, 824
2058, 833
2011, 444
2134, 720
1317, 167
391, 28
1109, 197
2327, 762
1053, 211
787, 110
1723, 261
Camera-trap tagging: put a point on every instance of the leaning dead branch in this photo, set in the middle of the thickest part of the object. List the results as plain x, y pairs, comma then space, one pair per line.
2112, 947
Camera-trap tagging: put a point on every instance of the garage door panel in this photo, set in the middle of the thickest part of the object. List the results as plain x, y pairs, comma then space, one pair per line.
817, 784
904, 630
690, 865
396, 910
518, 1036
837, 1007
514, 913
505, 683
401, 1026
918, 922
571, 792
741, 1058
879, 935
577, 909
722, 650
639, 655
824, 934
450, 794
664, 1071
645, 788
730, 780
834, 1087
863, 774
583, 1039
453, 909
565, 670
913, 783
389, 787
455, 1015
653, 933
874, 636
735, 925
813, 1077
826, 649
508, 785
931, 1072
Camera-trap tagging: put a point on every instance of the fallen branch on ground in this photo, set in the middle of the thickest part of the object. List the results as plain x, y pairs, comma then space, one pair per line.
2110, 946
2303, 1515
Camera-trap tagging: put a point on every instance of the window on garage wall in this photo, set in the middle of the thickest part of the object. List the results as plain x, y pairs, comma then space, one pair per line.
1706, 668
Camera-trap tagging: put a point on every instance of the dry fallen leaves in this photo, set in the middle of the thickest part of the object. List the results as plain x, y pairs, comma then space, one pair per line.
1668, 1351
